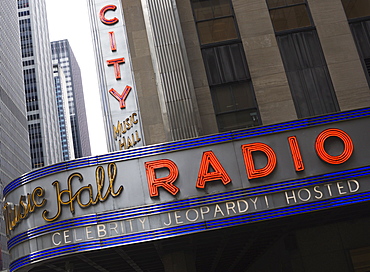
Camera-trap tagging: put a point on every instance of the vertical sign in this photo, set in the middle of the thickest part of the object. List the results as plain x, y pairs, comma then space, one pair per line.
117, 86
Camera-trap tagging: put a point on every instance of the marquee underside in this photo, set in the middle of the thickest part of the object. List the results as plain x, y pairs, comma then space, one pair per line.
228, 249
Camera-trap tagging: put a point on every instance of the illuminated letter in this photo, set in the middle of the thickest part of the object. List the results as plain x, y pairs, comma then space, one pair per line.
116, 63
101, 230
53, 239
296, 153
320, 148
112, 41
209, 160
165, 182
121, 97
118, 131
252, 172
357, 185
102, 15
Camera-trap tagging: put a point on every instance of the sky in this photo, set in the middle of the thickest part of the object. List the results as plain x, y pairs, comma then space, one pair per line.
69, 19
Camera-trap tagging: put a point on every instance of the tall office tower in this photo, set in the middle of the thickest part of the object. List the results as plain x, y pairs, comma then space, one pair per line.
14, 144
63, 112
62, 55
42, 114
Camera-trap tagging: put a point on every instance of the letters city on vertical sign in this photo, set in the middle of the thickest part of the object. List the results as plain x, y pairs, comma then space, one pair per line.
120, 87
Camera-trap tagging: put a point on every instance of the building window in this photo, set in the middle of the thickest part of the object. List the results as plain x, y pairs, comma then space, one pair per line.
304, 62
23, 13
33, 117
356, 8
214, 20
358, 14
225, 64
289, 14
32, 103
234, 105
23, 4
26, 38
28, 62
35, 136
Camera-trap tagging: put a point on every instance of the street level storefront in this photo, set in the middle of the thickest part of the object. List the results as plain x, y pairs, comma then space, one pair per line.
282, 193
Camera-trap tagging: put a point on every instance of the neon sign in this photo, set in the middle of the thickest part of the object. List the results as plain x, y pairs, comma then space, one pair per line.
14, 214
210, 161
210, 169
116, 78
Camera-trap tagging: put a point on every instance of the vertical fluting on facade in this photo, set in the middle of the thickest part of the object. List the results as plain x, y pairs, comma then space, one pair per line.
170, 63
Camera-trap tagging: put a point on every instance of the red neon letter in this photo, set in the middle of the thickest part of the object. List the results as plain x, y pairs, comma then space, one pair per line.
219, 173
121, 97
320, 148
296, 153
102, 15
116, 63
112, 41
252, 172
165, 182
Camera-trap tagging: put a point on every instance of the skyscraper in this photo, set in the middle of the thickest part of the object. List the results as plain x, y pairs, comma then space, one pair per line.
63, 112
63, 56
42, 114
14, 144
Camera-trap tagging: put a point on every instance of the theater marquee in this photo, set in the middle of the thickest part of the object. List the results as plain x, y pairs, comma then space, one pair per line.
189, 186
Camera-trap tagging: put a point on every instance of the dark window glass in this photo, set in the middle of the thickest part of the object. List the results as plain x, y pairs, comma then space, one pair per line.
214, 20
30, 89
290, 18
307, 74
210, 9
26, 38
283, 3
23, 3
217, 30
361, 35
35, 136
225, 64
289, 14
23, 13
33, 117
231, 97
356, 8
235, 105
360, 27
28, 62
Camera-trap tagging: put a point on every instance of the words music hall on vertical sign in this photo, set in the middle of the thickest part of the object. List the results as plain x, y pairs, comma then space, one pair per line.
125, 141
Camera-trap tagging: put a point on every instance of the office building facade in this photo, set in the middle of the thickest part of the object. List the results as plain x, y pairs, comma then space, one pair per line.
63, 112
62, 55
41, 105
240, 130
14, 143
